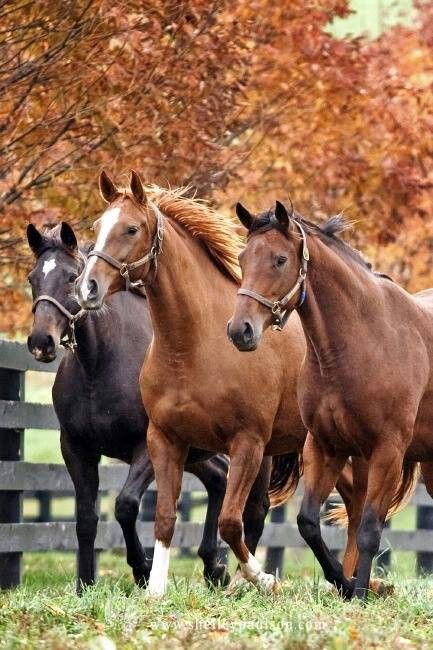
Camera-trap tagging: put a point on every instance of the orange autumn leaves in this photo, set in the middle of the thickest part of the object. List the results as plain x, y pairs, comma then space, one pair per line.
249, 99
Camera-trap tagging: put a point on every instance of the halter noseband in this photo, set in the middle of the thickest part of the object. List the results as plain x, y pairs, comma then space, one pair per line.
278, 307
70, 342
125, 267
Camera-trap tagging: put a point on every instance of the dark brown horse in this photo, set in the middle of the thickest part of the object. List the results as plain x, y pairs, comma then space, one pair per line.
196, 389
366, 384
98, 403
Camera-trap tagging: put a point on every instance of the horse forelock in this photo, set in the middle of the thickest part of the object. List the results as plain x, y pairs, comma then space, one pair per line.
327, 231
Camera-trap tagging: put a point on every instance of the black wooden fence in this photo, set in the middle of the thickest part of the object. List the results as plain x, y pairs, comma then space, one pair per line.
18, 477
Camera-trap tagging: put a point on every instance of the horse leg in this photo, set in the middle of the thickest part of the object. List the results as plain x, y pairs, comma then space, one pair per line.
213, 474
320, 475
354, 505
168, 457
83, 469
246, 454
256, 509
127, 507
257, 506
384, 472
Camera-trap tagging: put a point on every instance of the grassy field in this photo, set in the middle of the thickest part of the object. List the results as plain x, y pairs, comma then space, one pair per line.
46, 613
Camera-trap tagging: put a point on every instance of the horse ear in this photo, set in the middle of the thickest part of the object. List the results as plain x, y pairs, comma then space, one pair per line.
107, 187
281, 214
34, 238
67, 236
245, 217
137, 188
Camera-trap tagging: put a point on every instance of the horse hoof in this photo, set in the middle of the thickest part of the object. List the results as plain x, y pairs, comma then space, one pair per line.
268, 583
217, 576
142, 574
379, 588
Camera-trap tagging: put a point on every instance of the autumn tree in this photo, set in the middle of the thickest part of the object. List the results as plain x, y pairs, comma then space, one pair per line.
249, 99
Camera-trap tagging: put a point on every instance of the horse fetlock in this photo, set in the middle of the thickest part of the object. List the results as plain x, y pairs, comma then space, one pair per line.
252, 571
158, 579
142, 573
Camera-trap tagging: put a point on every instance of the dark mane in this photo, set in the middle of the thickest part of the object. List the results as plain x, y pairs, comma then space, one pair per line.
328, 232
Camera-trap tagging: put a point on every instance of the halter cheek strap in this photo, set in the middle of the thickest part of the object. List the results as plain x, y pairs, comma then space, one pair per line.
278, 307
125, 268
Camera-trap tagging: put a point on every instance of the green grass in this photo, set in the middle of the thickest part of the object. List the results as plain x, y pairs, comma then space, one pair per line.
45, 612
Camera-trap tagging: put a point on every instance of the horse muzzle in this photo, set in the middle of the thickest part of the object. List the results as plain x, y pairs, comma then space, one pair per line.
42, 347
242, 335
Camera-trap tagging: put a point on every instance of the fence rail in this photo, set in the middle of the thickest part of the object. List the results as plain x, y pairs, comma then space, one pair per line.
18, 477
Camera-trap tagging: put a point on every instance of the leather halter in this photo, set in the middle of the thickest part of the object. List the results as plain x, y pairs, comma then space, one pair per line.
125, 267
278, 307
69, 342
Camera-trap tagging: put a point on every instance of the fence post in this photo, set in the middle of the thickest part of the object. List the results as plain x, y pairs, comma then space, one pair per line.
275, 555
11, 448
424, 521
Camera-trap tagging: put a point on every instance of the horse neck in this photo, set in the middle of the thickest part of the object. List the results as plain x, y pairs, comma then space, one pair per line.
93, 340
188, 293
336, 288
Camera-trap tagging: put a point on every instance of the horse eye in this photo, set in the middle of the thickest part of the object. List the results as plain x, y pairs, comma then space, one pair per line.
131, 230
281, 260
72, 278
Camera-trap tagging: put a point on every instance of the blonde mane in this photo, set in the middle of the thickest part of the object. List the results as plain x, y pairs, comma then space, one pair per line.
217, 231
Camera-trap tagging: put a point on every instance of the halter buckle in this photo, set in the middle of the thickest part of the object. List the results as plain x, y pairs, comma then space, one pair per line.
124, 271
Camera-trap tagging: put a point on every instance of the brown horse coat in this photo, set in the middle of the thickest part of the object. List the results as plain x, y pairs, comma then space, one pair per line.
366, 383
196, 388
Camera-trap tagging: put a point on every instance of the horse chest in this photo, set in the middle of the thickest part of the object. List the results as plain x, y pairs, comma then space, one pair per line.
102, 420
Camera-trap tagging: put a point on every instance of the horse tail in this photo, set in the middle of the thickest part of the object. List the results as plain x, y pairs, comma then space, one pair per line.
403, 494
286, 471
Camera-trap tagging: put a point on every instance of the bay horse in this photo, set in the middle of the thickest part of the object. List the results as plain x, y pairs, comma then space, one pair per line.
98, 403
366, 383
196, 389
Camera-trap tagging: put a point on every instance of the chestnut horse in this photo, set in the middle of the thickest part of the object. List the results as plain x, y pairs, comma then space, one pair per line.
196, 389
366, 384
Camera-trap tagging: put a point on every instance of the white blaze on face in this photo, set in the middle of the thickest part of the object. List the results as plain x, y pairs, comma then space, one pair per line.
159, 574
49, 265
108, 221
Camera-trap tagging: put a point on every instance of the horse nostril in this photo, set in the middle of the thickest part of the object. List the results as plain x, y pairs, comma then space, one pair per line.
50, 347
93, 288
248, 332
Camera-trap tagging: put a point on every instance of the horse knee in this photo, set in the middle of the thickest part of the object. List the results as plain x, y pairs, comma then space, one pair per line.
369, 533
230, 530
126, 508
